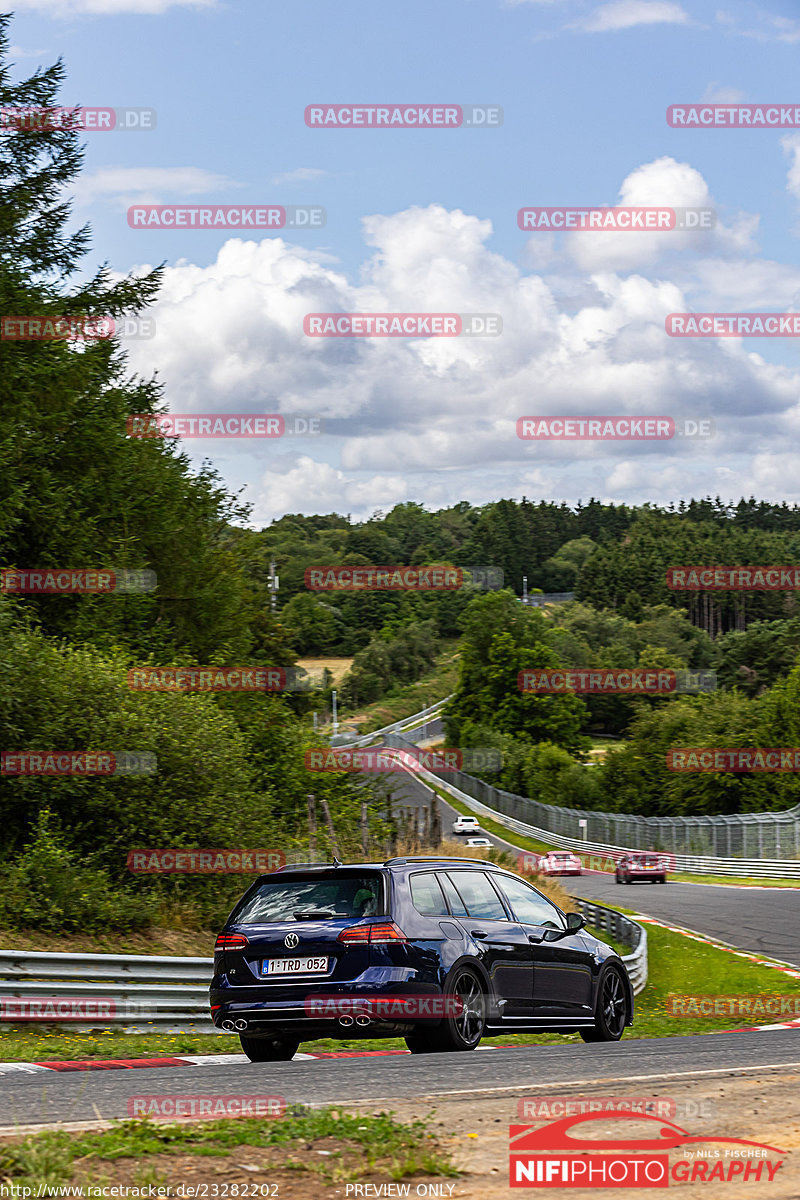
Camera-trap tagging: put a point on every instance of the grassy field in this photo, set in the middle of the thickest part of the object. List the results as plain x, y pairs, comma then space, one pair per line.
338, 667
412, 697
322, 1147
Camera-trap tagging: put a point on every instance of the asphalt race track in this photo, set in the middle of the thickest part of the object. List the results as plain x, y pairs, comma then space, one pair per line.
762, 920
94, 1095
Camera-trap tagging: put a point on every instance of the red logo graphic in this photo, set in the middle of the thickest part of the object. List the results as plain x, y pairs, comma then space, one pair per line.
632, 1163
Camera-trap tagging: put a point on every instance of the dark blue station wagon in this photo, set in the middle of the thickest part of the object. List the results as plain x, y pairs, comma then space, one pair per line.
440, 951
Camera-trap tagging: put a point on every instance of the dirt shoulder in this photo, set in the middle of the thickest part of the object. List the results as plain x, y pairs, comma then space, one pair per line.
475, 1131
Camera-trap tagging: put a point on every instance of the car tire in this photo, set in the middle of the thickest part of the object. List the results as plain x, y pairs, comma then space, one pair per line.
612, 1009
269, 1049
663, 879
463, 1030
617, 879
421, 1042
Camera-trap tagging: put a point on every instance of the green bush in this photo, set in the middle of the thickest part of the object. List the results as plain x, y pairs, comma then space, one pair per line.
49, 888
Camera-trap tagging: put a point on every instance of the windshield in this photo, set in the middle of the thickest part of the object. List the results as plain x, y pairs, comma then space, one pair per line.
312, 898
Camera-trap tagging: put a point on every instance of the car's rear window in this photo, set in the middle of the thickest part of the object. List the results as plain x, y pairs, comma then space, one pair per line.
341, 895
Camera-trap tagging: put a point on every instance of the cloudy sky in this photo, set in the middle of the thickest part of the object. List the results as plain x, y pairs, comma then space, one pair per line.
426, 221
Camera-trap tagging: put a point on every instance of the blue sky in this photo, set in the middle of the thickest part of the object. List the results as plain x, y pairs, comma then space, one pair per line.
426, 221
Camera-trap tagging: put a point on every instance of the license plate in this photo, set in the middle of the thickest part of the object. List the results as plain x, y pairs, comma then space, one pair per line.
294, 966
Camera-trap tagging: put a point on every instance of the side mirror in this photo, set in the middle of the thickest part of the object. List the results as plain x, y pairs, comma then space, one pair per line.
574, 922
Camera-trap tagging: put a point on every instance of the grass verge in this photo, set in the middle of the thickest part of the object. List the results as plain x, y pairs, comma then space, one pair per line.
326, 1144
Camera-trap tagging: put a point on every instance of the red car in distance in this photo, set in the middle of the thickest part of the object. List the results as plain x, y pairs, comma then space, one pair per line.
632, 868
560, 862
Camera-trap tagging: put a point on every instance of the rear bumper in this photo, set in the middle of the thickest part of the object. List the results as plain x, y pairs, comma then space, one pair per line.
350, 1009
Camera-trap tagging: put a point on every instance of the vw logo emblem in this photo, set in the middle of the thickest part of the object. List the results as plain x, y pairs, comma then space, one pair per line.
291, 940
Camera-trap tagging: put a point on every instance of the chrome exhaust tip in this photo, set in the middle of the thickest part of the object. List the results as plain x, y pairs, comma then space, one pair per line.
363, 1019
227, 1025
346, 1021
240, 1025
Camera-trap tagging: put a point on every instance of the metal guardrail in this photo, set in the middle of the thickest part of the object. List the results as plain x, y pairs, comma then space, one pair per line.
134, 993
621, 929
142, 994
406, 724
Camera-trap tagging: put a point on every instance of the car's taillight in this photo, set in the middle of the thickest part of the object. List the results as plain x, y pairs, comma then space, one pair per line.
385, 931
231, 941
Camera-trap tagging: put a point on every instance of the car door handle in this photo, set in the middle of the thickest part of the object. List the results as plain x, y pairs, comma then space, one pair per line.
479, 933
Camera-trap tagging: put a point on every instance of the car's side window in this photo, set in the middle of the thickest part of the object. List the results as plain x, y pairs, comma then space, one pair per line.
528, 905
457, 907
479, 896
426, 895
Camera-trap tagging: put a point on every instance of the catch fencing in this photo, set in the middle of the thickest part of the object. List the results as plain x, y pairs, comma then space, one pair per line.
693, 842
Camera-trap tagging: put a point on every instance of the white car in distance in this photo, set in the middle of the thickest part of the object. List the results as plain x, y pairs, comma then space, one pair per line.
466, 825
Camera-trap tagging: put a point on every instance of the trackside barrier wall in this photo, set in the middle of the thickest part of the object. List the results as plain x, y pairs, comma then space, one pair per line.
406, 724
149, 994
